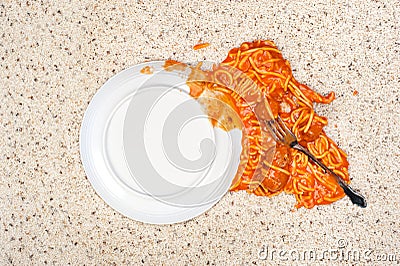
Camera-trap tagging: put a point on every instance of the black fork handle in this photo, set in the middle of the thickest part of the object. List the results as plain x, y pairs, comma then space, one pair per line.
354, 196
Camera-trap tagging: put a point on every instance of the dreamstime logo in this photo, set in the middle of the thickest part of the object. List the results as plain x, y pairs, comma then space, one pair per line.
342, 253
160, 115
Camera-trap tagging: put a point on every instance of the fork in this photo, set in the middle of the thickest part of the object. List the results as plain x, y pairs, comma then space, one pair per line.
282, 134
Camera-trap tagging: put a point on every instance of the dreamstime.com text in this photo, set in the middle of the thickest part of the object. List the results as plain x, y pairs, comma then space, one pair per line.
341, 253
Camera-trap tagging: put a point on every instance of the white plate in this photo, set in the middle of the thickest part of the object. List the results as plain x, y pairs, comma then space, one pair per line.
173, 182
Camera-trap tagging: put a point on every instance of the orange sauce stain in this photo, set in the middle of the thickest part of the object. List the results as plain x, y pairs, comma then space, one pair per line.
171, 65
147, 70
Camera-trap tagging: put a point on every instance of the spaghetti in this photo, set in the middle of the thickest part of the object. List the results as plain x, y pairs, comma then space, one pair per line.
264, 75
201, 46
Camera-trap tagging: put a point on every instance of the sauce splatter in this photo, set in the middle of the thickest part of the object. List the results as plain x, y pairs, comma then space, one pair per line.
147, 70
355, 93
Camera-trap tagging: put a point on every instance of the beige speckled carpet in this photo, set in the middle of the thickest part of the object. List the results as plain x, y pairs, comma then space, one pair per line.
54, 56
